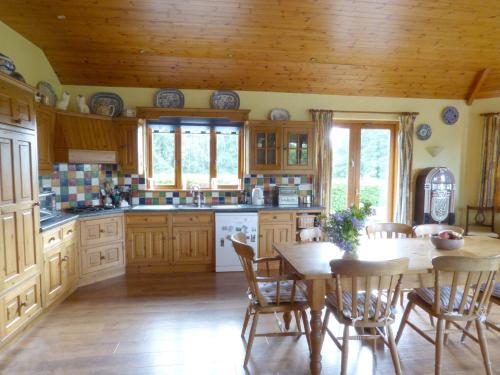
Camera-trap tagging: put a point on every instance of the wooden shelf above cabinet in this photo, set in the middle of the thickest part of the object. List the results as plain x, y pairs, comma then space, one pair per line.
154, 113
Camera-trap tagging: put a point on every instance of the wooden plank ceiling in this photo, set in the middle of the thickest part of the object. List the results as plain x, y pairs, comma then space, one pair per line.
403, 48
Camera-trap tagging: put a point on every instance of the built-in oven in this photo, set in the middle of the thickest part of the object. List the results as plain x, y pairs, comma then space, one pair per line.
47, 201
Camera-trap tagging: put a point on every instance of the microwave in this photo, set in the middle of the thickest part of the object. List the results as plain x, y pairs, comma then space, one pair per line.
288, 196
47, 201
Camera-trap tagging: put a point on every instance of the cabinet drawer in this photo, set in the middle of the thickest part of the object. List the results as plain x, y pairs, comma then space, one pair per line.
69, 230
51, 238
19, 306
146, 219
191, 218
276, 217
100, 231
102, 257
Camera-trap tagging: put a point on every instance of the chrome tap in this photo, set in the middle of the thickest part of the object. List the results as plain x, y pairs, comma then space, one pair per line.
195, 193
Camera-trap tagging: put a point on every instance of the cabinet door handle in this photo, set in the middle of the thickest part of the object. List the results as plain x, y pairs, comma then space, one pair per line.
103, 257
275, 217
36, 204
102, 231
69, 231
65, 258
52, 239
21, 306
17, 120
173, 238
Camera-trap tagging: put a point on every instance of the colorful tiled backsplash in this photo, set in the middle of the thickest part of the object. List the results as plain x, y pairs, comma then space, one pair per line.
77, 185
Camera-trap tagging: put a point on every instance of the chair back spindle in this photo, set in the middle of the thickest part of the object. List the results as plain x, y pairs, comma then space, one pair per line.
388, 230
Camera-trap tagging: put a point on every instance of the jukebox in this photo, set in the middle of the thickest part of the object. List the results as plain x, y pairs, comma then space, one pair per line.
435, 197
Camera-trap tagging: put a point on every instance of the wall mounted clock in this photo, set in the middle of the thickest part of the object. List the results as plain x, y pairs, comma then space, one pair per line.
424, 132
450, 115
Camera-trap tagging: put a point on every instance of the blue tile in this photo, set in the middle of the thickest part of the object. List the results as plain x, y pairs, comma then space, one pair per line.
79, 167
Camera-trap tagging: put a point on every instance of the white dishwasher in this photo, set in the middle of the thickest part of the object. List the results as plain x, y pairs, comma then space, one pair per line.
226, 224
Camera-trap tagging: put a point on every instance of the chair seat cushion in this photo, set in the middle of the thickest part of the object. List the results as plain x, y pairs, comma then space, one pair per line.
427, 295
268, 291
331, 302
484, 234
496, 290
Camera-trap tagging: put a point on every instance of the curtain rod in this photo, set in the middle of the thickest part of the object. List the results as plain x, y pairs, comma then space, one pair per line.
371, 112
490, 113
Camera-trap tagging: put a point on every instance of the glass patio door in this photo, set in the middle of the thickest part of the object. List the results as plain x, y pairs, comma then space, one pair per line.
363, 166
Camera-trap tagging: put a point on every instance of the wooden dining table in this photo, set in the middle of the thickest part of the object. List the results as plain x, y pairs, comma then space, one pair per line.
310, 262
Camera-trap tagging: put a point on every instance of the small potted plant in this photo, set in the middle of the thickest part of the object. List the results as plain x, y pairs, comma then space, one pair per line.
343, 227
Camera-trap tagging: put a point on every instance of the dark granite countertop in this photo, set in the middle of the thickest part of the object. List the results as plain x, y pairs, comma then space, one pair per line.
65, 217
60, 219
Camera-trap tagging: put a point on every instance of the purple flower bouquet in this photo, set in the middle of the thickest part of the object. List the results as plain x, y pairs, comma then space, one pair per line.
343, 227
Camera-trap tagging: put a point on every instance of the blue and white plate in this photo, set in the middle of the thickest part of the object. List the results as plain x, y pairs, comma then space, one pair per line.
169, 98
450, 115
6, 64
279, 114
46, 91
424, 132
106, 103
18, 76
224, 100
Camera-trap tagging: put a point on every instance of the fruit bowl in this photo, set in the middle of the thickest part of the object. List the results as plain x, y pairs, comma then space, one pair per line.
447, 240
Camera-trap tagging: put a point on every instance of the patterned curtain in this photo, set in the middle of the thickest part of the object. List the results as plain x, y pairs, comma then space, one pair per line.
323, 157
405, 142
490, 156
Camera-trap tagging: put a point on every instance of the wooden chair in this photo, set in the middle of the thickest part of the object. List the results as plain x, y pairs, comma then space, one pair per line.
376, 287
426, 230
494, 299
483, 223
388, 230
461, 302
269, 295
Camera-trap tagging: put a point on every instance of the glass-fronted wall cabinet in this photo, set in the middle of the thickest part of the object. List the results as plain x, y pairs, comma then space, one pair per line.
280, 146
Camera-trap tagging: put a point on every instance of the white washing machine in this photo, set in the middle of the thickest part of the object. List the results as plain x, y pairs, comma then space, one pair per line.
226, 224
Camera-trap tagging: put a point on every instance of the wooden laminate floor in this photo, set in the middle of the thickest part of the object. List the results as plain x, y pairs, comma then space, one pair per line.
190, 324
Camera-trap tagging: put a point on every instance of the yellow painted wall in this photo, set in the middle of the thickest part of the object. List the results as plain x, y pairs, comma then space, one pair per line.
453, 139
30, 60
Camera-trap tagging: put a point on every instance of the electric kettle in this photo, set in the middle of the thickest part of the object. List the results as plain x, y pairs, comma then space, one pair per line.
257, 196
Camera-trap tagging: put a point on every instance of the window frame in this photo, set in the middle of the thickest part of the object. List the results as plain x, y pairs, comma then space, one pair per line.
353, 177
178, 163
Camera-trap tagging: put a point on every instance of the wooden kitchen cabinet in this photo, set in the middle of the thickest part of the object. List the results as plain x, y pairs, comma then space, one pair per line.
16, 103
275, 227
19, 211
193, 245
45, 125
60, 271
148, 245
265, 148
174, 242
131, 144
280, 147
101, 248
19, 306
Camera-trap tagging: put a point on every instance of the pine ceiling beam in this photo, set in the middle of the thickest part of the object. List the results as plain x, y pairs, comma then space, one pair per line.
477, 84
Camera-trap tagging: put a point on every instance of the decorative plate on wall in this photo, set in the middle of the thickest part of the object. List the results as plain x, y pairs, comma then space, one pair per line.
279, 114
224, 100
6, 64
46, 91
106, 103
450, 115
169, 98
424, 132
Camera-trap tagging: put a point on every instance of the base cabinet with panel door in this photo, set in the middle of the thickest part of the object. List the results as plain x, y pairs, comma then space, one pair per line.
176, 242
275, 227
101, 248
60, 271
20, 253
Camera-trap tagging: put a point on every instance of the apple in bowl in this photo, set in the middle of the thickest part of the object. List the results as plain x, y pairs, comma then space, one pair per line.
447, 240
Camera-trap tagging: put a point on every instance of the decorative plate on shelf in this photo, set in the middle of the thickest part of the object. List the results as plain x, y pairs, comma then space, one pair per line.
224, 100
18, 76
169, 98
6, 64
424, 132
279, 114
46, 91
450, 115
106, 103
